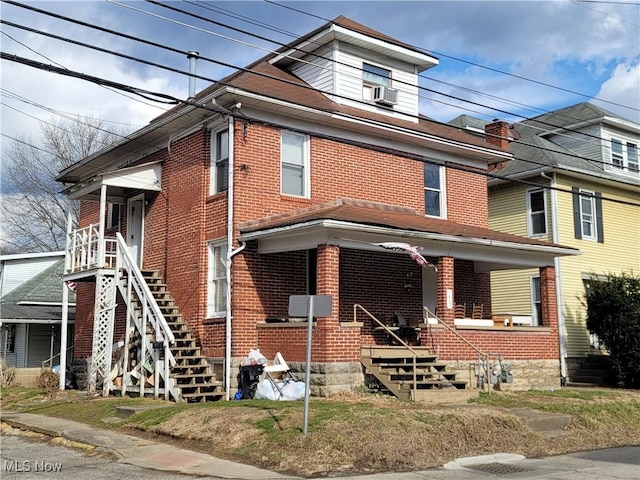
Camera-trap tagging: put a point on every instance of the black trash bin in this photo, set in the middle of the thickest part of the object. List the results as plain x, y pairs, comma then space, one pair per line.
248, 379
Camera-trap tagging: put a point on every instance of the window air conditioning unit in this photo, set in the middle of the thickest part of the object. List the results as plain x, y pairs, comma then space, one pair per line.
385, 95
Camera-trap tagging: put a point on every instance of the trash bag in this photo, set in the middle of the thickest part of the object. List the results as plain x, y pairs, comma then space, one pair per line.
267, 391
248, 380
292, 390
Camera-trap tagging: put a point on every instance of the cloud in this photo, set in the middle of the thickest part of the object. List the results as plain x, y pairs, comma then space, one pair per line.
622, 88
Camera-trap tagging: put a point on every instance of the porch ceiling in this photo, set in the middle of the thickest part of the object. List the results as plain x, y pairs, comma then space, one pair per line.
146, 177
360, 225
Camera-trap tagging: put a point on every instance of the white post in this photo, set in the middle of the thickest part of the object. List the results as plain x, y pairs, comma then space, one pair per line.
64, 320
103, 208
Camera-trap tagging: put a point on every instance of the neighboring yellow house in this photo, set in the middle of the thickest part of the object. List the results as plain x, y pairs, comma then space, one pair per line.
582, 189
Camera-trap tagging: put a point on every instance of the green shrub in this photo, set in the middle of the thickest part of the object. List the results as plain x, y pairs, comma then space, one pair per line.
613, 314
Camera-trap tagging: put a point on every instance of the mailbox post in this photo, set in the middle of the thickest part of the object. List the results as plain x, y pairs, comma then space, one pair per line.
309, 306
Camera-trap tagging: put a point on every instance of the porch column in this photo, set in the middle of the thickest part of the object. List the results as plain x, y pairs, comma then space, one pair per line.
445, 292
328, 279
549, 301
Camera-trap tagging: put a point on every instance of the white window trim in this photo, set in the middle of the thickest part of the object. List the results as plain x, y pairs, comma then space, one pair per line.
535, 321
213, 167
590, 196
443, 194
306, 164
529, 213
608, 153
222, 244
368, 85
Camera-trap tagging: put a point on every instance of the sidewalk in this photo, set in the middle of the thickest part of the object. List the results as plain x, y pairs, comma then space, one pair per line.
138, 451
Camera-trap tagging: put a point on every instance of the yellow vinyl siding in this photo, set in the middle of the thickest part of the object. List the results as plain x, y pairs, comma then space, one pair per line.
511, 291
619, 253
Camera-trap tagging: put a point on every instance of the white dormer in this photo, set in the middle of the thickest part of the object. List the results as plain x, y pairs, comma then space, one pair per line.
363, 70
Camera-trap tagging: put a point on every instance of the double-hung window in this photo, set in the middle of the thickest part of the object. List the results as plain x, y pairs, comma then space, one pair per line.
294, 160
219, 161
434, 204
537, 212
373, 76
217, 280
624, 156
536, 301
113, 216
587, 215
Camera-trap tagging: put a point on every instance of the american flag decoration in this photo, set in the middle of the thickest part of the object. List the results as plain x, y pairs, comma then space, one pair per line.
412, 250
71, 285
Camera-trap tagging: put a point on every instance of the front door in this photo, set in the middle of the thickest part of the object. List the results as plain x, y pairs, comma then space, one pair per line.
135, 227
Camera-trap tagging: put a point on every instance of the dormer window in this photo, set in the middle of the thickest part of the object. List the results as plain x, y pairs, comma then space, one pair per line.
372, 75
376, 81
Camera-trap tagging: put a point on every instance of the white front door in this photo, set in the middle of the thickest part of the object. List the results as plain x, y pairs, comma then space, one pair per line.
135, 227
429, 289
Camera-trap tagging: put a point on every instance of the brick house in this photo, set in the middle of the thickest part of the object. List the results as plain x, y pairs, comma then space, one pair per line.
309, 172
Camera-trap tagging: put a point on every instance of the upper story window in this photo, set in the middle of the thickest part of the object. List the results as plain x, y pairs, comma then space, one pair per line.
587, 215
537, 212
113, 216
372, 75
434, 205
294, 158
624, 156
219, 161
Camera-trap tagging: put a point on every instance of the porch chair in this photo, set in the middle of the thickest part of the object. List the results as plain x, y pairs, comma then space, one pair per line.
278, 370
407, 332
478, 311
460, 310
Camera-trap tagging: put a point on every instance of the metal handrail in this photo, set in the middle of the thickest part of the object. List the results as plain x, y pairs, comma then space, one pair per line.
485, 356
50, 359
390, 332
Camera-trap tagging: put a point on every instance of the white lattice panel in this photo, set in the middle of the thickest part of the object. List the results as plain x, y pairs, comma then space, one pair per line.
105, 305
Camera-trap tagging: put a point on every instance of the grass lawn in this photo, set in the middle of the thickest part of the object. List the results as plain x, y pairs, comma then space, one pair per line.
358, 433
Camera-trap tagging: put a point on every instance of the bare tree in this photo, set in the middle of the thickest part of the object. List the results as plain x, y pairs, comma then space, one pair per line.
34, 211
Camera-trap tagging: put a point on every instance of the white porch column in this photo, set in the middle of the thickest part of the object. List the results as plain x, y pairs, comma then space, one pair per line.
103, 212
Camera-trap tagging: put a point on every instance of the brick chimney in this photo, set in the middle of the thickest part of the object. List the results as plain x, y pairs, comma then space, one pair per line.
497, 133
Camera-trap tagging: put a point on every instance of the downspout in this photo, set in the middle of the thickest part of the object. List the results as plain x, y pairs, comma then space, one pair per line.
556, 265
230, 254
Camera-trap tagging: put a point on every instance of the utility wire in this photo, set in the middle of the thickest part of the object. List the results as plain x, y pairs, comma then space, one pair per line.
296, 84
235, 67
440, 54
369, 146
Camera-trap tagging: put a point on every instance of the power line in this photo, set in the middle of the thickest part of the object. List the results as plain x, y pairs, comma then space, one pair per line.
296, 84
369, 146
440, 54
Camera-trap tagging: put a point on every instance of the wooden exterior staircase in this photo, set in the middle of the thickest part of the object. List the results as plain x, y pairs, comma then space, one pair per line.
190, 377
192, 373
390, 369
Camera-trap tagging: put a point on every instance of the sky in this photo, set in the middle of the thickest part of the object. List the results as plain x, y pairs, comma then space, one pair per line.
499, 59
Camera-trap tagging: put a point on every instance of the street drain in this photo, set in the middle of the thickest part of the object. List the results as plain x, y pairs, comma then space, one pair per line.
498, 468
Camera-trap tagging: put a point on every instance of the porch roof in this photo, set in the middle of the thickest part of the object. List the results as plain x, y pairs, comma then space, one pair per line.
147, 176
361, 224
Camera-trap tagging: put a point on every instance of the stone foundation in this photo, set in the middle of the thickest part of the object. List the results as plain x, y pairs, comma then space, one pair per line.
326, 378
527, 374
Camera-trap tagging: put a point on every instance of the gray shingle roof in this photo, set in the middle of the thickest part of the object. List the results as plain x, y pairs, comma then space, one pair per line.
46, 287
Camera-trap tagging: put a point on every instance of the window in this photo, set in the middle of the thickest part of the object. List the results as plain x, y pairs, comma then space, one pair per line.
536, 301
433, 191
536, 208
217, 280
8, 338
113, 216
372, 75
295, 164
220, 161
587, 215
624, 156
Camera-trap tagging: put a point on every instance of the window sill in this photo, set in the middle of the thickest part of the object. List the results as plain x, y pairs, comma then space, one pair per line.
284, 324
214, 321
505, 329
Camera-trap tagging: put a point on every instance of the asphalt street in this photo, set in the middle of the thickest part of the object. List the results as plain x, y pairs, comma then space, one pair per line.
28, 458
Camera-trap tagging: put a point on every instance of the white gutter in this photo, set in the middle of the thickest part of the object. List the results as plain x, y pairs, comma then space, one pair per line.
343, 225
556, 265
373, 123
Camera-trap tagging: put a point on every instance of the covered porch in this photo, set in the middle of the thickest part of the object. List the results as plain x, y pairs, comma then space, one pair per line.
364, 253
